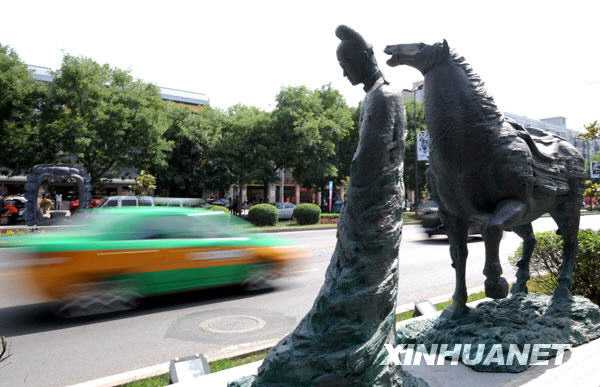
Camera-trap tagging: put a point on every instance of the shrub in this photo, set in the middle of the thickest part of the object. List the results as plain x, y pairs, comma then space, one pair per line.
218, 208
307, 213
547, 258
263, 215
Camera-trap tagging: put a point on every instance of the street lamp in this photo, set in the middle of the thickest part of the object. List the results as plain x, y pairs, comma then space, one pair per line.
417, 193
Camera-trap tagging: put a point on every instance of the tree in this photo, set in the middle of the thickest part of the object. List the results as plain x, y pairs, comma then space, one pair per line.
592, 131
347, 146
21, 100
415, 122
192, 166
145, 184
591, 194
100, 117
244, 151
309, 126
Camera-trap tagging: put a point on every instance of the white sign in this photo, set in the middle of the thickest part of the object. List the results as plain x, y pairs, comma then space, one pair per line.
422, 146
595, 173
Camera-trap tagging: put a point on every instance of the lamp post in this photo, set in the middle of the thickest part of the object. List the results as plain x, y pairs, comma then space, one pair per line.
417, 193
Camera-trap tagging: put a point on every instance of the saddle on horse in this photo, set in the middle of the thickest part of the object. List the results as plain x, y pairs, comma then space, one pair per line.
555, 160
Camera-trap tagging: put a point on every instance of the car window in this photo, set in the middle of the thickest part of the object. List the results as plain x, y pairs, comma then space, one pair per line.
111, 203
145, 202
128, 202
184, 227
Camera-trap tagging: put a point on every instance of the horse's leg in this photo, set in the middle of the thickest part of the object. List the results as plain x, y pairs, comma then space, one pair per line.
567, 216
505, 214
526, 233
457, 230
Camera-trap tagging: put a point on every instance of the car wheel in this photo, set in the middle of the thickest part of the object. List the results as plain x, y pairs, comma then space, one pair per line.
259, 277
99, 298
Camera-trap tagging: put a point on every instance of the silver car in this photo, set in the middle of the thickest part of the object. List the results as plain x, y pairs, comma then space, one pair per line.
285, 211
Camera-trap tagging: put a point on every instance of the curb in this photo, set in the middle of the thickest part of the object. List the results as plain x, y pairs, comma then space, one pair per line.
241, 350
163, 368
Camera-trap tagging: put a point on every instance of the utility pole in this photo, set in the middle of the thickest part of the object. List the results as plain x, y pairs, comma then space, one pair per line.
417, 193
282, 188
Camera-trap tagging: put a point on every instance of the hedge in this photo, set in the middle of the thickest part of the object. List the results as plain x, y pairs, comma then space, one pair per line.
307, 213
547, 258
263, 215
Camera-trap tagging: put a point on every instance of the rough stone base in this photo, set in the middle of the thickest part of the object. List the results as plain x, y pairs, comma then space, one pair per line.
521, 319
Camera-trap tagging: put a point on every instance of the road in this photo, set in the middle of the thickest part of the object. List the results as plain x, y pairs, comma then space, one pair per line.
47, 351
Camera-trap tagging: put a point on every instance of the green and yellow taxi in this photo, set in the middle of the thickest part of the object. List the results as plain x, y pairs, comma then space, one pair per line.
127, 253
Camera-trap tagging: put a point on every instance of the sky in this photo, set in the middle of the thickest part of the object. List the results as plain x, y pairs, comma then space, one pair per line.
538, 58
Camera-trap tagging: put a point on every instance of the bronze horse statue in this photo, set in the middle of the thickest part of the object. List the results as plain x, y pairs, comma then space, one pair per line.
488, 170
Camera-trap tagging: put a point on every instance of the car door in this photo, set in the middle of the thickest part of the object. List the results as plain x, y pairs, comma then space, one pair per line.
202, 253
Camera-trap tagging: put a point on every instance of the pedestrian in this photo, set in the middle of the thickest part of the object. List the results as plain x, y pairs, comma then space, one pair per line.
45, 206
58, 201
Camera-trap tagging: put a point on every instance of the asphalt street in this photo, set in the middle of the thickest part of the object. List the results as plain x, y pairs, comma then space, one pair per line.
48, 351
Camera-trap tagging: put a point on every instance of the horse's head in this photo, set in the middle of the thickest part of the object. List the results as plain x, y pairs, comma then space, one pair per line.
421, 56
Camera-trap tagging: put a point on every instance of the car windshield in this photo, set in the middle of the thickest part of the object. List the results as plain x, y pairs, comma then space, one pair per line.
149, 224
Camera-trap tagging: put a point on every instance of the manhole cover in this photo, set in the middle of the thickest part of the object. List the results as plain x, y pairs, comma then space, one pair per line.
233, 324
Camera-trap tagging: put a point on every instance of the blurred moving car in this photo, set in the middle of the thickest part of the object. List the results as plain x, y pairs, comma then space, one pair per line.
285, 211
129, 253
428, 212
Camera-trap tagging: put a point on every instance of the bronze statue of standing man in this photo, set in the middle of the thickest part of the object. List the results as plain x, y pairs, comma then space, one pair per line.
340, 342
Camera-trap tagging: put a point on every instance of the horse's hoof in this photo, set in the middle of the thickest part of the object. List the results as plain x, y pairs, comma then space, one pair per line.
455, 311
496, 290
519, 288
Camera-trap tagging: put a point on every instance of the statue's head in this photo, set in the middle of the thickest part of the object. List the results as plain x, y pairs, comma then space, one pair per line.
421, 56
356, 57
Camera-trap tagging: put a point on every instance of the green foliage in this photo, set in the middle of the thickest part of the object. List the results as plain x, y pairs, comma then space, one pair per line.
547, 258
263, 215
192, 165
592, 131
591, 193
155, 381
243, 152
308, 127
307, 213
145, 184
21, 103
104, 118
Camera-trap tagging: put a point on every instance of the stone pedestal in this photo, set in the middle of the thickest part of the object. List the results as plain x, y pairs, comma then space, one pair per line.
518, 320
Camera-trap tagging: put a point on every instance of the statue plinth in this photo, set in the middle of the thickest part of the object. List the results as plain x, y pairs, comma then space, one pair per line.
518, 320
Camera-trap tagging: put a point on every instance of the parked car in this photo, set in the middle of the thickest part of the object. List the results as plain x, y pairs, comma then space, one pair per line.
285, 211
428, 212
129, 253
224, 202
128, 201
179, 202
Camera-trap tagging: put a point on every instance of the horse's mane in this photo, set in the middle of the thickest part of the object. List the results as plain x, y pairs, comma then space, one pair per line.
490, 111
